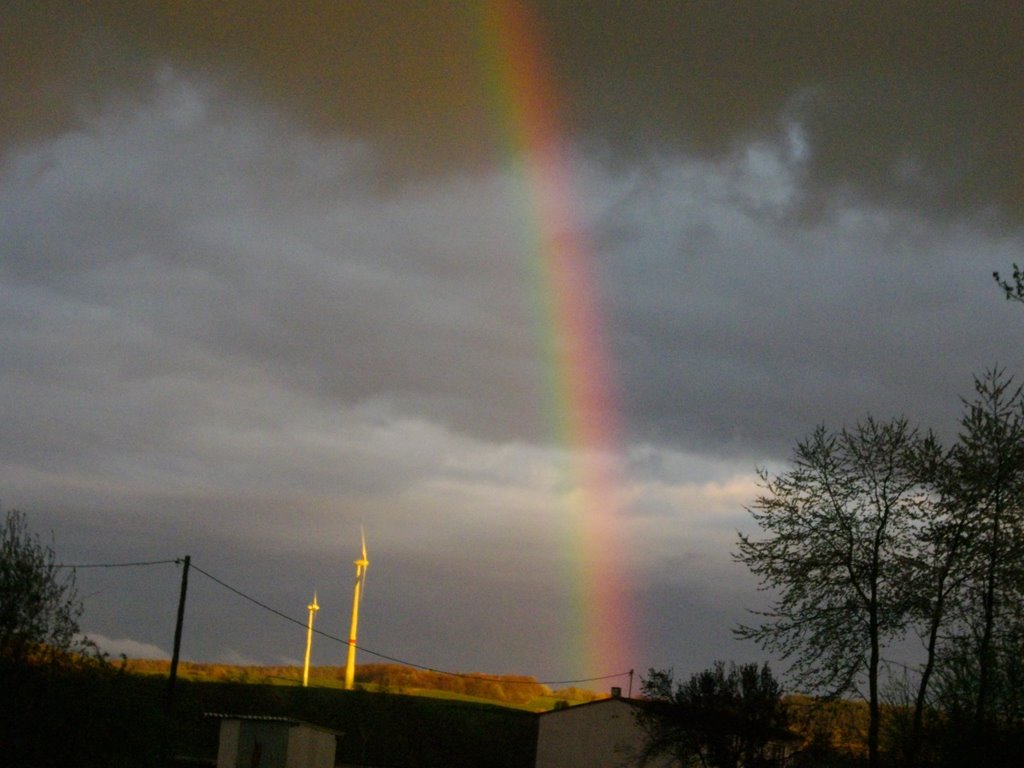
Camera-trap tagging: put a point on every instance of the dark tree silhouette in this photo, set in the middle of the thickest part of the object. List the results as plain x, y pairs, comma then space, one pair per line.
720, 718
1014, 290
39, 605
834, 553
990, 467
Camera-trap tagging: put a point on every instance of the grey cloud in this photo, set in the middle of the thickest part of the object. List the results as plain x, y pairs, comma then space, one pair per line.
913, 103
738, 329
160, 257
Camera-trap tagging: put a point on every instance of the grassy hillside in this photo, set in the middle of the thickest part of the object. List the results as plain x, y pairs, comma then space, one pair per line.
517, 691
90, 714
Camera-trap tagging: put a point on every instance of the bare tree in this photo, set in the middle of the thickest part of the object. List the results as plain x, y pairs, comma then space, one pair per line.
989, 466
934, 574
834, 556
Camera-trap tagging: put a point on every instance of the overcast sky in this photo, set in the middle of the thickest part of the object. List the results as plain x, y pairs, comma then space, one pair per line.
268, 275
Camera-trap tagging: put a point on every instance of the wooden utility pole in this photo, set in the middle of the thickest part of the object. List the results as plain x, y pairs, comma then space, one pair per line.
172, 679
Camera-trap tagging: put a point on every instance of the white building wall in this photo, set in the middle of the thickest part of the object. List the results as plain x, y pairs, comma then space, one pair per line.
310, 748
227, 747
601, 734
274, 743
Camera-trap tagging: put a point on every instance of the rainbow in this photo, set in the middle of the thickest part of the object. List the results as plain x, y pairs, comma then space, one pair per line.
582, 403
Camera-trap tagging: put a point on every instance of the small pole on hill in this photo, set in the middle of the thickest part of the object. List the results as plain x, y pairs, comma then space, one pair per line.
630, 694
173, 677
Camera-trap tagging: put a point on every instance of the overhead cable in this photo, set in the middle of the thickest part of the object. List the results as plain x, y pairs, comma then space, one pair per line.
404, 662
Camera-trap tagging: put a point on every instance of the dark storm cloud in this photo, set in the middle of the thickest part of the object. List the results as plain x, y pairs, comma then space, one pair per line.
905, 101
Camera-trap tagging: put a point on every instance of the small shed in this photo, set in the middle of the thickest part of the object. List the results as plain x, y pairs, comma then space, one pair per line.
265, 741
600, 734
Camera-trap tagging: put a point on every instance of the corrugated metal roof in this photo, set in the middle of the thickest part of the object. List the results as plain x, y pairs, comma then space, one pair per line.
268, 718
273, 719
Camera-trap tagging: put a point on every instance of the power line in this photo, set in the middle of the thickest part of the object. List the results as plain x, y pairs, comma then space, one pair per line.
335, 638
251, 599
379, 655
117, 565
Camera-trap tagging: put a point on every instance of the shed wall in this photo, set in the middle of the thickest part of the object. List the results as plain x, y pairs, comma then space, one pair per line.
598, 735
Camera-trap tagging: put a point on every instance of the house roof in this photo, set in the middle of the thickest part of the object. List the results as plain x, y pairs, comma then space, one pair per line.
271, 718
291, 721
594, 703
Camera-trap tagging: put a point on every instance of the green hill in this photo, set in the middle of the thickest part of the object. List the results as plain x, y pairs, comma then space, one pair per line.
518, 691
